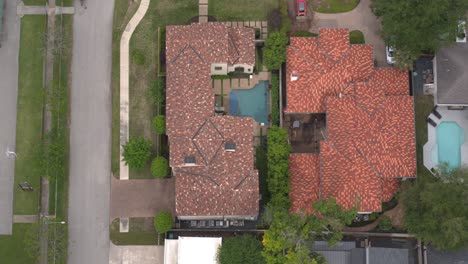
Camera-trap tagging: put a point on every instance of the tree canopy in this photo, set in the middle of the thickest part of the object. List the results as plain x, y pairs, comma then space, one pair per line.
436, 208
244, 249
163, 222
137, 152
274, 53
414, 26
289, 236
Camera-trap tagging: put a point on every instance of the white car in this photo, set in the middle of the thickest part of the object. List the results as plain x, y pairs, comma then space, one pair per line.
390, 54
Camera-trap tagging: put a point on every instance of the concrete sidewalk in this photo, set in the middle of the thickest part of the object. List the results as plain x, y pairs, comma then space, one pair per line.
360, 18
22, 10
124, 81
136, 254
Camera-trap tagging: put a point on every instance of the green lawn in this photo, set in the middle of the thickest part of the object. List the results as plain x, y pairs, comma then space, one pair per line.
423, 107
122, 14
12, 248
228, 10
62, 71
356, 37
141, 233
29, 116
333, 6
142, 110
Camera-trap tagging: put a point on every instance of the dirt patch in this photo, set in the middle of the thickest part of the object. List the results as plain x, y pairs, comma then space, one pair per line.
396, 215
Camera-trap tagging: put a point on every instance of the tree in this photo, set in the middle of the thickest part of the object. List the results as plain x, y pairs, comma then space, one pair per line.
436, 209
137, 152
333, 219
244, 249
414, 26
290, 235
160, 167
274, 53
163, 222
278, 167
288, 239
159, 124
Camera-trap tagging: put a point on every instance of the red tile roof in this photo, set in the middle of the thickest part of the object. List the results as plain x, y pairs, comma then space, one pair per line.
305, 178
220, 183
370, 140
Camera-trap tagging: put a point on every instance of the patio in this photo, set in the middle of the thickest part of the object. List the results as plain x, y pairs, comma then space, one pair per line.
305, 131
458, 116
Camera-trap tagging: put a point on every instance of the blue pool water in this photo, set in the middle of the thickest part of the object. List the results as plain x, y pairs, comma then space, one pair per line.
251, 102
450, 138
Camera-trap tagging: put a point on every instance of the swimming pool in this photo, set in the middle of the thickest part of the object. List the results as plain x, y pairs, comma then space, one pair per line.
450, 138
251, 102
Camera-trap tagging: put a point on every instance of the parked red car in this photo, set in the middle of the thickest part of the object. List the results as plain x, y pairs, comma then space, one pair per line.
301, 7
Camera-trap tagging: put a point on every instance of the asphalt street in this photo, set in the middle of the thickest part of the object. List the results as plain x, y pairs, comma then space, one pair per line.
90, 133
9, 91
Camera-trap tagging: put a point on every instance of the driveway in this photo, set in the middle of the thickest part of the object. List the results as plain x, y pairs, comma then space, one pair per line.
136, 254
142, 198
90, 134
9, 91
361, 18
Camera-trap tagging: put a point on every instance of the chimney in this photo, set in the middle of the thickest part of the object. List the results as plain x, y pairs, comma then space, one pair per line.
294, 76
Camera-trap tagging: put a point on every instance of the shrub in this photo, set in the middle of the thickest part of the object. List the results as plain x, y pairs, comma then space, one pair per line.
385, 223
278, 167
356, 37
285, 21
137, 152
159, 124
304, 34
275, 99
275, 50
138, 57
163, 222
243, 249
160, 167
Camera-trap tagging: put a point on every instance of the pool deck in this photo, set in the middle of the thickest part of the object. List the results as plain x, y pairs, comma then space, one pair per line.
223, 88
459, 116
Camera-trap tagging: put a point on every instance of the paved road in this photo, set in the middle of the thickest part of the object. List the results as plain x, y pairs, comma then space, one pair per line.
8, 98
90, 134
360, 18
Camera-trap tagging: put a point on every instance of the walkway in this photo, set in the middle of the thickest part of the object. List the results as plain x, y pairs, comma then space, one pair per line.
124, 81
141, 198
25, 219
9, 52
136, 254
22, 10
90, 134
361, 18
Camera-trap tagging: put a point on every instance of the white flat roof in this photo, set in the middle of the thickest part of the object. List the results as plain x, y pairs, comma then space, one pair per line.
191, 250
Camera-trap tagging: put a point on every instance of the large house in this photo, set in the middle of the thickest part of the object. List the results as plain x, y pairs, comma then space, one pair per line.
351, 125
211, 155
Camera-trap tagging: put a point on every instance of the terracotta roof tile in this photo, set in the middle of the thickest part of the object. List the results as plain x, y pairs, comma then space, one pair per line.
220, 182
305, 179
370, 122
